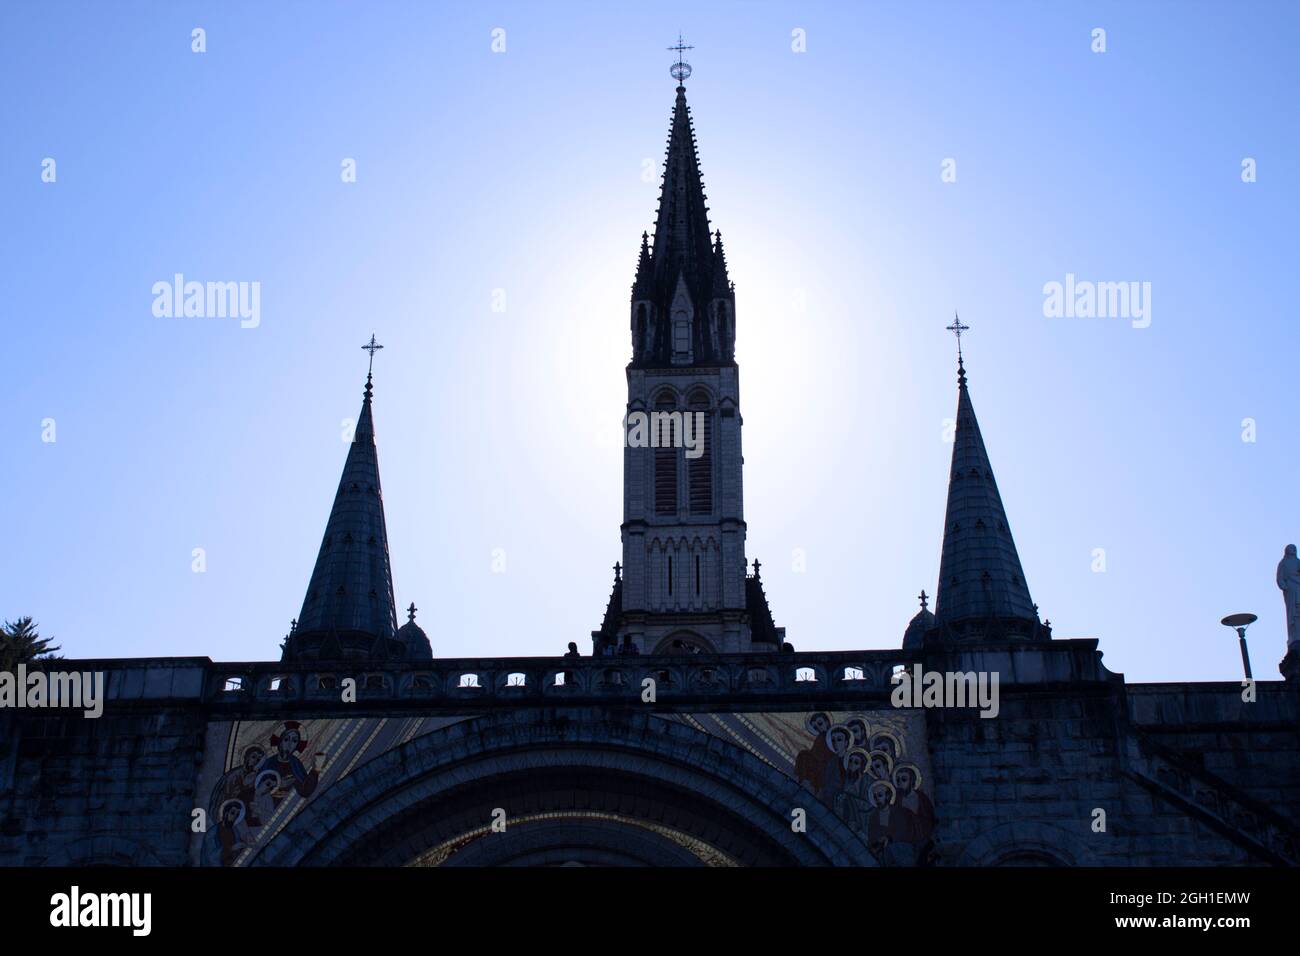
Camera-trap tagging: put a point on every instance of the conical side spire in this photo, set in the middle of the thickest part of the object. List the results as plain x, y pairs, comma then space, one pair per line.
349, 610
982, 589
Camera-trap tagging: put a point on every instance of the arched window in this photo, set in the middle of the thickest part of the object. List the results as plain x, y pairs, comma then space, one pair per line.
699, 470
665, 462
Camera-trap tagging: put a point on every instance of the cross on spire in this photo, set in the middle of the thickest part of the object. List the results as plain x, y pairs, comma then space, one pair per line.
372, 347
957, 329
681, 69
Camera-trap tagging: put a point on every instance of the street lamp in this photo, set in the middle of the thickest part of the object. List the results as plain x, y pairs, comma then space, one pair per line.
1239, 622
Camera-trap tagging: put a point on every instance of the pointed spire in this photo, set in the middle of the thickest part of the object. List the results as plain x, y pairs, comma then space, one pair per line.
682, 237
349, 602
721, 283
365, 428
980, 577
683, 254
644, 273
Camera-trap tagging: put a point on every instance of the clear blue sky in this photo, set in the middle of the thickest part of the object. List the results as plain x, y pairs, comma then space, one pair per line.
523, 171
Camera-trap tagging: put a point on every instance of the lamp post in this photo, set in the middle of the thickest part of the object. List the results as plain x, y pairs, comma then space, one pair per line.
1239, 623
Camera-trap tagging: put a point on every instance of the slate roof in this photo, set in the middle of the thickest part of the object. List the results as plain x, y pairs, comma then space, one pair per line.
980, 577
351, 587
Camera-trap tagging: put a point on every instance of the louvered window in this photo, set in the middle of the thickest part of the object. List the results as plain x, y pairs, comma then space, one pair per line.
665, 464
700, 470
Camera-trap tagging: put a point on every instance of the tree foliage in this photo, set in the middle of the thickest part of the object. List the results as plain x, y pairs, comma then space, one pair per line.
21, 644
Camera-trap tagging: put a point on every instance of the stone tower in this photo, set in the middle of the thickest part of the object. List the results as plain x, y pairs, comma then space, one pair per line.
683, 585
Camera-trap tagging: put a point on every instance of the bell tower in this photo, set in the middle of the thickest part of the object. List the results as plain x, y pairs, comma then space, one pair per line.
683, 585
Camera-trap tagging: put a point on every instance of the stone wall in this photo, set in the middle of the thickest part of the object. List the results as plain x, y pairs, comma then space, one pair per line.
1186, 773
117, 790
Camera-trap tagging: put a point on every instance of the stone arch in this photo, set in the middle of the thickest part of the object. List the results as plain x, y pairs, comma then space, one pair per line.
699, 396
1025, 843
665, 646
561, 765
665, 398
557, 842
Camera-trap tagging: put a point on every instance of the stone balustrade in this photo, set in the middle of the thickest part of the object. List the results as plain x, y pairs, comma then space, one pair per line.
475, 684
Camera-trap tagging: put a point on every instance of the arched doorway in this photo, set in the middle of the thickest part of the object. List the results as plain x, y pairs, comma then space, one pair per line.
589, 787
1026, 843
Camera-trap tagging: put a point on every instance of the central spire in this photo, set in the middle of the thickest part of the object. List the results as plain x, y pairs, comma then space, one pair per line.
681, 585
682, 238
683, 300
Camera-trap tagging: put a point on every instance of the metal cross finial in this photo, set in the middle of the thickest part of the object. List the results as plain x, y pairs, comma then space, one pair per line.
925, 601
618, 571
957, 329
410, 611
681, 69
372, 347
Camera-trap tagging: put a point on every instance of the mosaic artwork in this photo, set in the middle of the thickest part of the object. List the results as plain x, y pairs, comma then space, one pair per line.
870, 768
271, 769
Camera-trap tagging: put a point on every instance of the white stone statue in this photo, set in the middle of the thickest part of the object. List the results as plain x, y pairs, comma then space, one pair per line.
1288, 579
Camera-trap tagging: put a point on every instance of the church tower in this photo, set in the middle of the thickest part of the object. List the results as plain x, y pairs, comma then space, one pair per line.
683, 586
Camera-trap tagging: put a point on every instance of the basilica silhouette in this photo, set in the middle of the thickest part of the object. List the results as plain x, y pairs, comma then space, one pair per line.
692, 733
